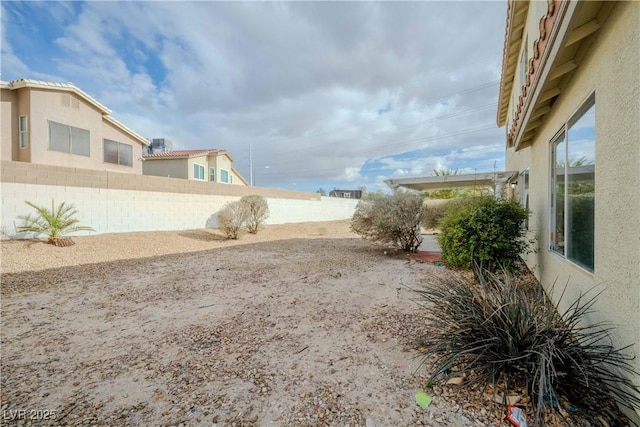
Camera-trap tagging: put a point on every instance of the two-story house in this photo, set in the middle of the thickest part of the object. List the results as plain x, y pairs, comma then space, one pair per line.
58, 124
201, 165
570, 101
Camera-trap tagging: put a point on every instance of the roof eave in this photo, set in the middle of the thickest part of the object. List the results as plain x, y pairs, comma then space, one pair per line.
516, 12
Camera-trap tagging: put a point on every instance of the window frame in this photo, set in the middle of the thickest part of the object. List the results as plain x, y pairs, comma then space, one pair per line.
23, 130
198, 166
70, 137
222, 172
212, 173
563, 137
523, 193
118, 152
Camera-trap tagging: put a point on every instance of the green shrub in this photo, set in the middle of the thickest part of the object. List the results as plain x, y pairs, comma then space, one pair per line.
493, 330
392, 220
232, 218
55, 223
258, 212
482, 230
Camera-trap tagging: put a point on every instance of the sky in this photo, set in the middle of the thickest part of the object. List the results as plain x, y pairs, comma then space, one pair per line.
317, 94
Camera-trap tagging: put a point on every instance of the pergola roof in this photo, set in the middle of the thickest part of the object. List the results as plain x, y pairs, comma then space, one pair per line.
425, 183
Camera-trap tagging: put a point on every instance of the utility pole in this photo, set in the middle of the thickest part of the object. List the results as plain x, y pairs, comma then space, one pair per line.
251, 165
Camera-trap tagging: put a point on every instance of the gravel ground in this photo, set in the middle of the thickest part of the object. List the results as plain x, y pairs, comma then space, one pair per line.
300, 325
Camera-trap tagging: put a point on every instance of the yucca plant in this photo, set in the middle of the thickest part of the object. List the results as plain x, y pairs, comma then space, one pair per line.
55, 223
495, 331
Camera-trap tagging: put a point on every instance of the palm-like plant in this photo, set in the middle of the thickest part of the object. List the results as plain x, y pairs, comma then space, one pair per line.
55, 223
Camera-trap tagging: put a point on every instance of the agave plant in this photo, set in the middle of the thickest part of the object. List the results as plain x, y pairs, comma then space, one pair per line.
494, 330
55, 223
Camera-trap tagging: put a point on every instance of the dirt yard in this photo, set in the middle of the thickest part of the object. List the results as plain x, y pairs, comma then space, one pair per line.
299, 325
303, 324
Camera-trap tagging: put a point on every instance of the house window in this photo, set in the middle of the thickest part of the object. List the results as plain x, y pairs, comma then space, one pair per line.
573, 188
523, 63
224, 176
118, 153
68, 139
231, 178
523, 182
24, 132
198, 172
346, 195
212, 174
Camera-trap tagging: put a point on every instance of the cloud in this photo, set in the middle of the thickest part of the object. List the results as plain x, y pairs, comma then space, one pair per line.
319, 90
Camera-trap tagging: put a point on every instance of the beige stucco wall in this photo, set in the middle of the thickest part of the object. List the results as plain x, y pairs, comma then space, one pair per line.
172, 168
9, 126
611, 69
42, 105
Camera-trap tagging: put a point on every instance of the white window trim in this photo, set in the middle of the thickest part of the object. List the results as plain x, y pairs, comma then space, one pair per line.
203, 169
214, 174
24, 142
228, 176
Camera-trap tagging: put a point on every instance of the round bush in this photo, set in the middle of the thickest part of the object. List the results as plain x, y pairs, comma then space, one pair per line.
482, 230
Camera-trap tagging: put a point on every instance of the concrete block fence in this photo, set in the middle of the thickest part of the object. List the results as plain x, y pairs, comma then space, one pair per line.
112, 202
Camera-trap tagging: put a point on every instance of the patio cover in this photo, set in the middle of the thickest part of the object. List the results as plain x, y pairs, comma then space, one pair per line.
425, 183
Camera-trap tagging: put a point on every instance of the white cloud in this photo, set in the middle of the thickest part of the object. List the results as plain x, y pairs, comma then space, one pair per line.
315, 88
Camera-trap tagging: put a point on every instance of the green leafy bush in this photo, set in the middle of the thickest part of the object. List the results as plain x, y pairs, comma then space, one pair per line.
258, 212
232, 218
392, 220
55, 223
482, 230
494, 330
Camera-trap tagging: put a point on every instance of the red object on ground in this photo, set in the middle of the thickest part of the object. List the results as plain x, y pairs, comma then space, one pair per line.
427, 256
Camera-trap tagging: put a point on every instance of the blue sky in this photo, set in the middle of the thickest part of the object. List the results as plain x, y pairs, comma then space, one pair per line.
326, 94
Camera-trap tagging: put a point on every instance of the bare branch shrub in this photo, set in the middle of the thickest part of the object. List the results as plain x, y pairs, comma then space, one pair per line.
392, 220
258, 212
232, 219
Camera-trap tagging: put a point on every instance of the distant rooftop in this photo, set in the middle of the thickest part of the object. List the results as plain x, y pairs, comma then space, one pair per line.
184, 153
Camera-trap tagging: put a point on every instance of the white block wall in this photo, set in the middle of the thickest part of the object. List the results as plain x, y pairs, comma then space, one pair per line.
114, 211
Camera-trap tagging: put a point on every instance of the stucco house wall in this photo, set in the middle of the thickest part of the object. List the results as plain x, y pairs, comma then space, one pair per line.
172, 168
9, 134
610, 68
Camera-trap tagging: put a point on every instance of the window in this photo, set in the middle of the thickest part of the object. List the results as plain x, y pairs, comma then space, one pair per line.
346, 195
24, 132
68, 139
572, 202
198, 172
523, 182
118, 153
231, 179
523, 63
212, 174
224, 176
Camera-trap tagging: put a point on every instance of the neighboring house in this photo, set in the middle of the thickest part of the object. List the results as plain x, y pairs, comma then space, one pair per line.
570, 101
346, 194
58, 124
201, 165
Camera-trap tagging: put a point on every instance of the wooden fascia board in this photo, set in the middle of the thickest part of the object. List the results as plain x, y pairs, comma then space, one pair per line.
511, 49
